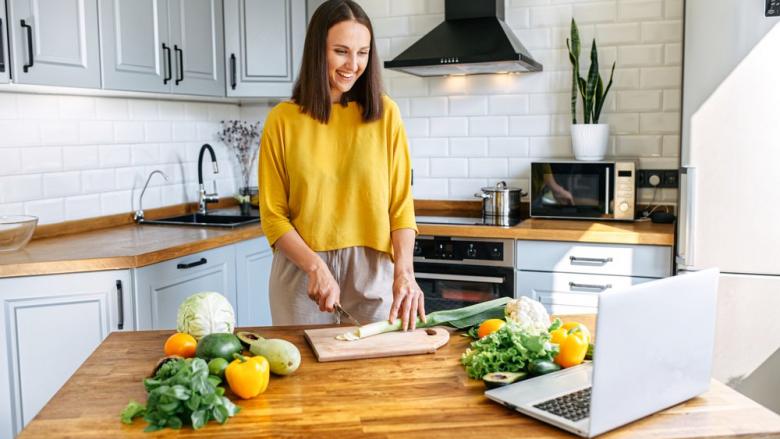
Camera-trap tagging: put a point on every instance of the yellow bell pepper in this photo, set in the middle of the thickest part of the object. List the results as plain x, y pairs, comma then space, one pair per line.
248, 376
572, 339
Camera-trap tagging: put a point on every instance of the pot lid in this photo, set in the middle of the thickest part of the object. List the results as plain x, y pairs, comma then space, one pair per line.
500, 187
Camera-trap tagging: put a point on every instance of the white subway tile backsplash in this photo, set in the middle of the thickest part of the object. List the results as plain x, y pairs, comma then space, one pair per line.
634, 146
59, 133
128, 132
114, 156
77, 107
196, 111
143, 110
488, 126
468, 105
171, 110
488, 167
672, 100
550, 103
408, 86
41, 159
185, 131
96, 181
626, 79
11, 209
666, 123
83, 206
61, 184
10, 161
416, 127
508, 104
468, 147
508, 146
158, 131
80, 157
96, 132
421, 167
430, 188
8, 108
422, 24
19, 132
551, 147
21, 188
47, 211
429, 147
145, 154
535, 38
622, 123
671, 146
117, 202
673, 8
449, 126
618, 33
520, 167
391, 26
421, 107
537, 125
449, 167
37, 107
639, 10
518, 18
595, 12
112, 109
375, 8
465, 188
673, 54
662, 32
639, 100
550, 16
434, 6
638, 56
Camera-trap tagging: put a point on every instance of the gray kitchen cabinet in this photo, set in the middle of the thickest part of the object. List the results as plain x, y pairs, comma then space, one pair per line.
163, 46
48, 326
263, 46
160, 288
253, 269
54, 42
5, 67
198, 46
567, 277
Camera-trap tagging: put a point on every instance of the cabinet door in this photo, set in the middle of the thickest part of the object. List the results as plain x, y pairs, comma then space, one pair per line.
569, 293
263, 46
48, 326
162, 287
253, 269
5, 67
55, 42
198, 47
136, 53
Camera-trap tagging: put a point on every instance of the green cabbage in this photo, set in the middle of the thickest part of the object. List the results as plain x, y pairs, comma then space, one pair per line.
205, 313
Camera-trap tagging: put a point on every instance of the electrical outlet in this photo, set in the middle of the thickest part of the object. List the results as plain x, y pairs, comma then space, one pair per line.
657, 178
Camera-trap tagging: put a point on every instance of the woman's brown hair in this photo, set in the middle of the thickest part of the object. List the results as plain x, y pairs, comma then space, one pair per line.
312, 89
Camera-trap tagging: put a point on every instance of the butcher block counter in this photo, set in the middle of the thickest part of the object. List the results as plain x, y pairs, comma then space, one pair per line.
421, 396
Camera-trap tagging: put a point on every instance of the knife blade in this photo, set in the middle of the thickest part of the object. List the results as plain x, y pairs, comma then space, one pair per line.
341, 312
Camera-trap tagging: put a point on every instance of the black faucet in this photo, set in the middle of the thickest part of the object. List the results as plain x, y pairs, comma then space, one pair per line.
205, 198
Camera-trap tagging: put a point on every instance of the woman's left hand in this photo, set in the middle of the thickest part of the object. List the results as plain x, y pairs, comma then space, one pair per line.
408, 300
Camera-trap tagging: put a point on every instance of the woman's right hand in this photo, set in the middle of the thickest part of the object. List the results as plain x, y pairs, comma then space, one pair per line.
322, 288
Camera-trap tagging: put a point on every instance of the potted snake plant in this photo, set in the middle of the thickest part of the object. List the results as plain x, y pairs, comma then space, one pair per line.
590, 138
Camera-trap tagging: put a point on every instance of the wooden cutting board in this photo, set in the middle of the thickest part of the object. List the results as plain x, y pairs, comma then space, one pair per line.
325, 346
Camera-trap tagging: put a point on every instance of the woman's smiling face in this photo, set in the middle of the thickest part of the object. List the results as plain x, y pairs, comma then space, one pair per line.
348, 48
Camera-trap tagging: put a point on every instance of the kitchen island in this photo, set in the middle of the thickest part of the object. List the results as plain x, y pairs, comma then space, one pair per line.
414, 396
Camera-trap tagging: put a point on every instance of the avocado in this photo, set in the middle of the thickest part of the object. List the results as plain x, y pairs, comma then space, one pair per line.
500, 379
541, 367
247, 338
222, 345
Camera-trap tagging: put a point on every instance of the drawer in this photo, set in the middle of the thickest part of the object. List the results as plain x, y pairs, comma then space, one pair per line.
610, 259
183, 266
569, 293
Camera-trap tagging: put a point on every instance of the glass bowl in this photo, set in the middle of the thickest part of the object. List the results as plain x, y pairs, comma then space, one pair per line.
16, 231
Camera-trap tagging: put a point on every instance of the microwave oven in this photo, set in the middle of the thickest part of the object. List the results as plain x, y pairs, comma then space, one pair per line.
604, 190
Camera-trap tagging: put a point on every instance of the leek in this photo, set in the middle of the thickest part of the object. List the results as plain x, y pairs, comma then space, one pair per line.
458, 318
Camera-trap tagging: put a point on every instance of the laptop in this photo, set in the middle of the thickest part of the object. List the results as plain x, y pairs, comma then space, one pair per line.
653, 349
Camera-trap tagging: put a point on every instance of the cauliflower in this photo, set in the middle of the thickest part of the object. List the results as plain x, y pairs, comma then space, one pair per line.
529, 314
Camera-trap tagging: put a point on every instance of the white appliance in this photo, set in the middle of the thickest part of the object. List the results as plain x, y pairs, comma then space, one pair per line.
666, 368
730, 182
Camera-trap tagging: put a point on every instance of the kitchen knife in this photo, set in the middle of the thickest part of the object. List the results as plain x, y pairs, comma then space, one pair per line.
341, 312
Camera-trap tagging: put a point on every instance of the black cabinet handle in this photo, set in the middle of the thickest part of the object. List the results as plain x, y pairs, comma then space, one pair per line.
120, 306
180, 62
2, 48
167, 75
26, 67
192, 264
233, 71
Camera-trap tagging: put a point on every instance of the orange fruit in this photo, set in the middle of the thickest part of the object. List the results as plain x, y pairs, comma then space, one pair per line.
490, 326
181, 344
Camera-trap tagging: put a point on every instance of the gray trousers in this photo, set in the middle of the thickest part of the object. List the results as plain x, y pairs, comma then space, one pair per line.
364, 275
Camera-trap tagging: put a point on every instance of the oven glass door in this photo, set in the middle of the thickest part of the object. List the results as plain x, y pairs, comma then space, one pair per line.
454, 286
572, 190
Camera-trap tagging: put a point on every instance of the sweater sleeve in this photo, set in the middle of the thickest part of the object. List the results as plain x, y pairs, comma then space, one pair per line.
401, 207
274, 181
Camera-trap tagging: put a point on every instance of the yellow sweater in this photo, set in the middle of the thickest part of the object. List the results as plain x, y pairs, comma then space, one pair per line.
342, 184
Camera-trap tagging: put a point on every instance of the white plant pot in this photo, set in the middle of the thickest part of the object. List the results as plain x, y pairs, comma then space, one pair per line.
589, 141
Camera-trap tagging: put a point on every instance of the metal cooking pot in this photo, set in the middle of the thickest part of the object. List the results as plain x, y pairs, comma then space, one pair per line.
500, 200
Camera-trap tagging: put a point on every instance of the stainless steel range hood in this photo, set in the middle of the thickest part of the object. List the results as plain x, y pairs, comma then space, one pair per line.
473, 39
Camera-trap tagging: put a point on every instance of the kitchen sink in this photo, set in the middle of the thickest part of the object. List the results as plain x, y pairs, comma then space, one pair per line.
200, 220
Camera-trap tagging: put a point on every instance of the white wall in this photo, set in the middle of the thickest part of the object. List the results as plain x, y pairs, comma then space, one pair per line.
71, 157
467, 132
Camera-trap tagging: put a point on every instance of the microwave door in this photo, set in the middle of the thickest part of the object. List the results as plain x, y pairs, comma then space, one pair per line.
573, 190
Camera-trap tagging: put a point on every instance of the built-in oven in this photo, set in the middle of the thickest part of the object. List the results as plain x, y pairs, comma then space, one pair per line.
583, 190
457, 272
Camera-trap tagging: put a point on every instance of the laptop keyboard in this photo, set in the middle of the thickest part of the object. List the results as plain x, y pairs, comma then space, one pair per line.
573, 406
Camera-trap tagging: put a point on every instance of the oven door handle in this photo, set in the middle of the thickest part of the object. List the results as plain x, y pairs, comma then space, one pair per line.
460, 277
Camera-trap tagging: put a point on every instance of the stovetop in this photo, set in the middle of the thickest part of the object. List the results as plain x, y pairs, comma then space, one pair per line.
469, 220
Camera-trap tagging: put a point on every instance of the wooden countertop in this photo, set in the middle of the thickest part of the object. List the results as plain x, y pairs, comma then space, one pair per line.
416, 396
645, 232
115, 243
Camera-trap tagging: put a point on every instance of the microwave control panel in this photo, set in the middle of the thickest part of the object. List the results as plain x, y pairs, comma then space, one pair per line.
624, 207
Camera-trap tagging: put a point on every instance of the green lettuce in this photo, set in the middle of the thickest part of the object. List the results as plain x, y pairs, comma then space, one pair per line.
510, 349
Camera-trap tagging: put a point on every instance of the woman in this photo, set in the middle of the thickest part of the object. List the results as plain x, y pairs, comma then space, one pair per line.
335, 178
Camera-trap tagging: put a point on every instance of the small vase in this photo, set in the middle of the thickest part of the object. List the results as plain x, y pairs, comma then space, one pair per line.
589, 141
